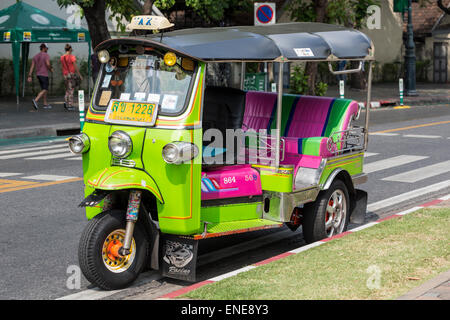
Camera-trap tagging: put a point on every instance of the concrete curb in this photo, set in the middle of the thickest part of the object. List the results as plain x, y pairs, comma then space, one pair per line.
427, 286
44, 130
187, 289
375, 104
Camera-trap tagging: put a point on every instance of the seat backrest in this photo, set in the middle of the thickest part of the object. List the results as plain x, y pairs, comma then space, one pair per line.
308, 118
319, 116
259, 110
223, 108
302, 116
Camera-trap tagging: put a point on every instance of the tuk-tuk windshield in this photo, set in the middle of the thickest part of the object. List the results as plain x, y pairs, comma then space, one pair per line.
144, 78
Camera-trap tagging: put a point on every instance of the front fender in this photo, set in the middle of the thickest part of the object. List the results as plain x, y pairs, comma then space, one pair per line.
120, 178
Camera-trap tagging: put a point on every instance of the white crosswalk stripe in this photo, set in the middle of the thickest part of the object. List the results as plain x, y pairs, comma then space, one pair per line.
52, 156
384, 134
391, 163
421, 173
9, 151
48, 177
34, 153
421, 136
9, 174
369, 154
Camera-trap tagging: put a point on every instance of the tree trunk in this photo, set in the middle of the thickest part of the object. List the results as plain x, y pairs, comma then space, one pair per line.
311, 67
96, 20
147, 8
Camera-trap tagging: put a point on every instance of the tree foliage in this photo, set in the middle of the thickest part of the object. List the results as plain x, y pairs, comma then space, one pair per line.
345, 12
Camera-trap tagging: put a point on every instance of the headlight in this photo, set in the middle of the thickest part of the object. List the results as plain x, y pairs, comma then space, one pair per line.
79, 143
179, 152
103, 56
120, 144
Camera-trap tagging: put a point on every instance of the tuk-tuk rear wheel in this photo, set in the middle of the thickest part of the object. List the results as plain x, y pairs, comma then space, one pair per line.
328, 215
98, 251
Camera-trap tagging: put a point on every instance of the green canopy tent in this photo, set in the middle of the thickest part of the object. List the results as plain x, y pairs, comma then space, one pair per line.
22, 24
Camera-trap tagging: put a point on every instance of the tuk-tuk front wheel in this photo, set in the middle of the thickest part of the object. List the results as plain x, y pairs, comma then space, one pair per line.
99, 256
328, 215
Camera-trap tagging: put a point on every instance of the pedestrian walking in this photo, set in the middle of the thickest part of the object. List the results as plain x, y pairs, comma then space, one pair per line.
41, 62
71, 74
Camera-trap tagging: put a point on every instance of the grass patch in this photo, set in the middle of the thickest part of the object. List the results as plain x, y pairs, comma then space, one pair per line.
381, 262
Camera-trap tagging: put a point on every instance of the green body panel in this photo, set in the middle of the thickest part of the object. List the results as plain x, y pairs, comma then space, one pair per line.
273, 179
232, 212
120, 178
180, 185
239, 225
353, 164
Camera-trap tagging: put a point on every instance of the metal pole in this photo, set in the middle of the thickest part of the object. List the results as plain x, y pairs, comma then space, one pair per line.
242, 75
410, 56
369, 97
279, 105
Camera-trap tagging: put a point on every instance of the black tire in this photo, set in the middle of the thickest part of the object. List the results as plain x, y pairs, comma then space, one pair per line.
315, 214
90, 251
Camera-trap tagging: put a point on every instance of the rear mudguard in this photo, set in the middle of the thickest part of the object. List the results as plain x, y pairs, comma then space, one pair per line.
120, 178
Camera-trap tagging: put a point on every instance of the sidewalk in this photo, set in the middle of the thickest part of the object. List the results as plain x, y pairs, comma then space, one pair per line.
20, 121
387, 94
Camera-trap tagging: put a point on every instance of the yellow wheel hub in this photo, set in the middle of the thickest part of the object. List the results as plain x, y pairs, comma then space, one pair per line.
113, 261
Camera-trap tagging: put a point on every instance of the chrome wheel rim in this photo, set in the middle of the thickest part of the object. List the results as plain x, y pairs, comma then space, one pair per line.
336, 213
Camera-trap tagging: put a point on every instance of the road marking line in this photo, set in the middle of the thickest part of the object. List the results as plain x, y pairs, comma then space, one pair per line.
52, 156
365, 226
369, 154
421, 173
306, 247
6, 184
413, 127
29, 154
39, 185
232, 273
49, 177
74, 158
391, 162
32, 149
384, 134
424, 136
447, 197
413, 209
9, 174
407, 196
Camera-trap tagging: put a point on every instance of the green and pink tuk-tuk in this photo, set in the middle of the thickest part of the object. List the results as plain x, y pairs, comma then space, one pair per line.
169, 161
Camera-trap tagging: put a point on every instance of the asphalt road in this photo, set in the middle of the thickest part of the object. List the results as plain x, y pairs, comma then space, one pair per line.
40, 188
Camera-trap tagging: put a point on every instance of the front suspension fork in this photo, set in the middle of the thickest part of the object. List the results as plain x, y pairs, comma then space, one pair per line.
134, 202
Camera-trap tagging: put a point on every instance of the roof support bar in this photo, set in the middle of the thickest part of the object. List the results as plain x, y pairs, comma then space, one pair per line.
369, 97
279, 106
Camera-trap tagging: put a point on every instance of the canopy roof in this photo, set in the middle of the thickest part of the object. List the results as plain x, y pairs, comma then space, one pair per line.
279, 42
22, 22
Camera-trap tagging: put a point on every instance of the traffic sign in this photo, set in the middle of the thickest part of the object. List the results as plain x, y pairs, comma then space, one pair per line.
264, 13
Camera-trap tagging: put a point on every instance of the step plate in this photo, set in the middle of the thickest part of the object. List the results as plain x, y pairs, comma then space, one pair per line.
234, 227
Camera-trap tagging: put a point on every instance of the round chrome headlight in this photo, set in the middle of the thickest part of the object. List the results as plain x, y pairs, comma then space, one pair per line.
179, 152
103, 56
120, 144
79, 143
